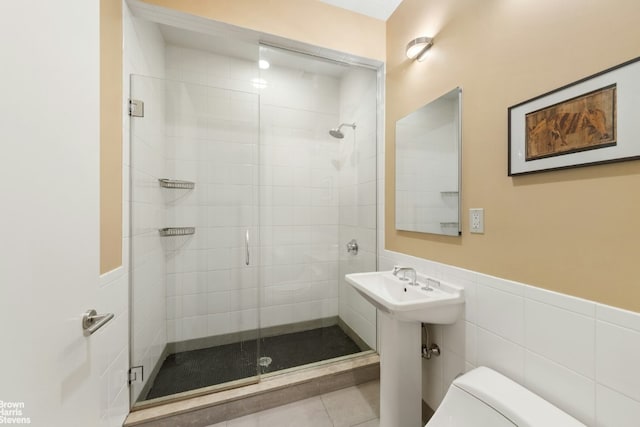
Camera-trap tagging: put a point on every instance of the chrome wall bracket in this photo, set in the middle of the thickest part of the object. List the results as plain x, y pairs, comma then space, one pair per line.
136, 108
136, 374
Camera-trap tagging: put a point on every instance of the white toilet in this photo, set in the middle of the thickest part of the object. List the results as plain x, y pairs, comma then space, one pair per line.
484, 398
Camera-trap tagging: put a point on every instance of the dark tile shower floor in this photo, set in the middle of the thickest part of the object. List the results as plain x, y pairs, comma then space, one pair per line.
194, 369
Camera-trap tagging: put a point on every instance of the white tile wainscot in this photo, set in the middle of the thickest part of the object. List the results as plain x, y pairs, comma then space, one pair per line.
577, 354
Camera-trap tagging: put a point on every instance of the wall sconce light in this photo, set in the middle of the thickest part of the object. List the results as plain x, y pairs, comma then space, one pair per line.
418, 47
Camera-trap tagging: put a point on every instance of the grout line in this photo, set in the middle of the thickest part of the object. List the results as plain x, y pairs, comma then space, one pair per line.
325, 408
615, 391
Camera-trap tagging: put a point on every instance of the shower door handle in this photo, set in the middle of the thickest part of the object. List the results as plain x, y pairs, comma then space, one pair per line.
246, 244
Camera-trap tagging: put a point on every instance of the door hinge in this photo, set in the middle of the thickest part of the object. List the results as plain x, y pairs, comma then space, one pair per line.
136, 108
136, 374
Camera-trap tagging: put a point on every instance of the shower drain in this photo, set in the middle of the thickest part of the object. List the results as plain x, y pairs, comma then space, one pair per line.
265, 361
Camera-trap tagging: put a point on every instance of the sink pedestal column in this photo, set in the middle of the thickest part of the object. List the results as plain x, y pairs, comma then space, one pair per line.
400, 373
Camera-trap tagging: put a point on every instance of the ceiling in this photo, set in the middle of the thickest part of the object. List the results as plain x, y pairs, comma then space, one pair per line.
379, 9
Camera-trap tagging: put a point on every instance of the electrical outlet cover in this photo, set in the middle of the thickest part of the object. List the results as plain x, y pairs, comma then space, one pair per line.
476, 220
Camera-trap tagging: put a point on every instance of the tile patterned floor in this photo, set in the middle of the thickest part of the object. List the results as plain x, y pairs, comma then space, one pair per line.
354, 406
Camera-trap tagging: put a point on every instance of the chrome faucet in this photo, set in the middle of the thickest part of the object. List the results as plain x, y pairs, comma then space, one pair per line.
404, 270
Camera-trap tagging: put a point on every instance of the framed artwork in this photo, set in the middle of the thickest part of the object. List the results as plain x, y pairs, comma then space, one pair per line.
592, 121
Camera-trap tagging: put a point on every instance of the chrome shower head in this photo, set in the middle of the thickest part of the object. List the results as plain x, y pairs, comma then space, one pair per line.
337, 133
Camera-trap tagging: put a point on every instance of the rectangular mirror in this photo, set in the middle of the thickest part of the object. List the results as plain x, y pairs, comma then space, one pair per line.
428, 160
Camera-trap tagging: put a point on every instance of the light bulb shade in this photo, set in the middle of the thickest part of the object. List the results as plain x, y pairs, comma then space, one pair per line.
418, 47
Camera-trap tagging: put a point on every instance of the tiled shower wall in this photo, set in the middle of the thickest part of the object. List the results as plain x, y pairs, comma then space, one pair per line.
212, 141
357, 187
299, 196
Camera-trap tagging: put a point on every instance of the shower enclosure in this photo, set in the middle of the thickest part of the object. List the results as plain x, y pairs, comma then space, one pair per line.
247, 184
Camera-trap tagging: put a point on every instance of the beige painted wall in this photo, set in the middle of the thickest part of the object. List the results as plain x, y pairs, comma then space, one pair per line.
308, 21
573, 231
110, 135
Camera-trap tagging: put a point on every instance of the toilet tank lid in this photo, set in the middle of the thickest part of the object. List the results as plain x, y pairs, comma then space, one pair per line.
516, 403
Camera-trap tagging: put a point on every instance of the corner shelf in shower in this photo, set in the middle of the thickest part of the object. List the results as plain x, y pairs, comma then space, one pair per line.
176, 183
177, 231
449, 193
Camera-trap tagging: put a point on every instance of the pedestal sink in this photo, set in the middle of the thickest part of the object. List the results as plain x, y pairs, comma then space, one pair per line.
403, 307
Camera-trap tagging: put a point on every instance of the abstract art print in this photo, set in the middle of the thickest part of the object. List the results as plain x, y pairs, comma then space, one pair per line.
586, 122
595, 120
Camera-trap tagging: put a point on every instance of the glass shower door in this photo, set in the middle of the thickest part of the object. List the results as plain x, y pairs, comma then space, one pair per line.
318, 192
194, 238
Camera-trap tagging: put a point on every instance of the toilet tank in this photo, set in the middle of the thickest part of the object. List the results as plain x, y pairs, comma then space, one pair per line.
484, 398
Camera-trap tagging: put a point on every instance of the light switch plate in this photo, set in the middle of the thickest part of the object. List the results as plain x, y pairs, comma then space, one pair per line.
476, 220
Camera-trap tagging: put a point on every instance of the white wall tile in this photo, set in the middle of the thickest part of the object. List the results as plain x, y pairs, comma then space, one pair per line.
563, 336
614, 409
357, 203
243, 320
500, 354
454, 365
242, 299
575, 360
174, 330
501, 313
217, 302
567, 302
193, 283
276, 315
617, 316
501, 284
470, 299
194, 305
195, 327
454, 337
174, 307
568, 390
433, 387
214, 324
221, 280
471, 343
616, 354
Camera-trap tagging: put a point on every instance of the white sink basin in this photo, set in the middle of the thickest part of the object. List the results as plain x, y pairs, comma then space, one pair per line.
442, 304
